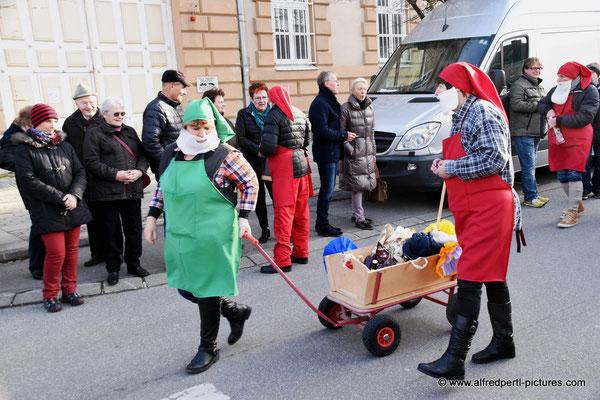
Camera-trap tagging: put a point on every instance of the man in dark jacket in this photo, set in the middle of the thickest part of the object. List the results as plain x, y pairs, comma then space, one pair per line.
527, 127
163, 117
591, 183
328, 140
75, 126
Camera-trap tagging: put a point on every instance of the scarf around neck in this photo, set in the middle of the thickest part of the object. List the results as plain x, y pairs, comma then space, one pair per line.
260, 117
112, 128
45, 137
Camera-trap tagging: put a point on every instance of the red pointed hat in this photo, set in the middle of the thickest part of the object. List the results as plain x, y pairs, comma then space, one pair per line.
471, 79
281, 98
573, 69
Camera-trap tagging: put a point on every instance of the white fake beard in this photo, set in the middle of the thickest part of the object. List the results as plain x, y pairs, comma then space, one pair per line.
561, 93
448, 100
189, 145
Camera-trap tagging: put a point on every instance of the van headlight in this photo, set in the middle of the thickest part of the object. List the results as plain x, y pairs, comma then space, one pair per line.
419, 136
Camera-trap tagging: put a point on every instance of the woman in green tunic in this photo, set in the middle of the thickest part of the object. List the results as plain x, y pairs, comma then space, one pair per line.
198, 177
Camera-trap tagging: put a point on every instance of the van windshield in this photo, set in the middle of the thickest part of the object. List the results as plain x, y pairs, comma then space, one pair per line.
414, 67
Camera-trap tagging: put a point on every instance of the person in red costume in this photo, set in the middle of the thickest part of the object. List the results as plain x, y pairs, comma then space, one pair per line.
284, 141
571, 107
478, 171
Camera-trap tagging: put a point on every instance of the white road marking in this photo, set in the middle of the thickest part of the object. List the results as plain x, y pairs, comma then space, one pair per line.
206, 391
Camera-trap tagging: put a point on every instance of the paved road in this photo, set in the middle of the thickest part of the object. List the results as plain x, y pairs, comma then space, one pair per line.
135, 344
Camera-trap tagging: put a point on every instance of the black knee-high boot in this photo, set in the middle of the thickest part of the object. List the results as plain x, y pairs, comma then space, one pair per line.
502, 344
236, 314
452, 363
208, 353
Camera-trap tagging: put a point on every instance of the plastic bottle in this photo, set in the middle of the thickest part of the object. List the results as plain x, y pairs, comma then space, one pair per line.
558, 136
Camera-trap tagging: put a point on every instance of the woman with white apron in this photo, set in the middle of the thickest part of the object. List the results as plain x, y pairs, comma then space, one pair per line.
477, 168
198, 177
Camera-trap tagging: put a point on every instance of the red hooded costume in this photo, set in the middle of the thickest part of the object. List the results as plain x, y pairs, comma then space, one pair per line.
483, 208
573, 153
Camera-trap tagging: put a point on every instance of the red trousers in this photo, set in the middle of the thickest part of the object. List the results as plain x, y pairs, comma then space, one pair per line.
62, 250
292, 220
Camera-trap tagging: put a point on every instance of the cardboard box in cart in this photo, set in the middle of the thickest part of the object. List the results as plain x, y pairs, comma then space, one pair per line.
356, 285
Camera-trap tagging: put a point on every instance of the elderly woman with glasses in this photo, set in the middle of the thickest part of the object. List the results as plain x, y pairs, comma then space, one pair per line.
249, 127
116, 163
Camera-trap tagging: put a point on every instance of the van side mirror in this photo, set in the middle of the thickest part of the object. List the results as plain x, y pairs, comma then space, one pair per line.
372, 78
498, 77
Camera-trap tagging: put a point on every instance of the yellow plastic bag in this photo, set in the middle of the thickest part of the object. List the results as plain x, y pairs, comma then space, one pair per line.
444, 226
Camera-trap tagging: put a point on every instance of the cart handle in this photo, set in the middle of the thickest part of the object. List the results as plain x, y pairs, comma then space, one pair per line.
254, 241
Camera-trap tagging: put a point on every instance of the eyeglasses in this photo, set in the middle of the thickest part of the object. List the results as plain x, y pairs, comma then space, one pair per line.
122, 114
535, 68
260, 98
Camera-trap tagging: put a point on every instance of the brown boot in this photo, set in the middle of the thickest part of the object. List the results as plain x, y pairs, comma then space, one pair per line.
569, 219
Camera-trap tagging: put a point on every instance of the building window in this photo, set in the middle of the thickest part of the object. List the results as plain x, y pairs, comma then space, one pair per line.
292, 33
391, 26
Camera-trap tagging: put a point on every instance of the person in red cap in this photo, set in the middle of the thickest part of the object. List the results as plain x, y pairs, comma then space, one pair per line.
51, 181
284, 141
478, 172
570, 108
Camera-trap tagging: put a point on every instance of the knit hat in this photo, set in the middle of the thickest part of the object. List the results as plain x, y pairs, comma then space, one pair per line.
594, 67
205, 109
82, 91
42, 112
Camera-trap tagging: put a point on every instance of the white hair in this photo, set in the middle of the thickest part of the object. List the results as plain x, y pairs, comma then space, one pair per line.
111, 102
358, 80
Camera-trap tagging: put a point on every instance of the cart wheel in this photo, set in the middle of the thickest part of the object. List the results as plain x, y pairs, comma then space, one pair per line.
451, 309
381, 335
411, 303
333, 310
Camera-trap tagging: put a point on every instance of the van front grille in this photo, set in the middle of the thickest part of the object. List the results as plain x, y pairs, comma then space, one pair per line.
383, 140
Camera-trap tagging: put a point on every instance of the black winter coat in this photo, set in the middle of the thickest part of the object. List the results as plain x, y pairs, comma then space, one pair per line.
325, 114
75, 126
282, 131
248, 134
45, 174
585, 102
596, 124
163, 120
104, 156
8, 146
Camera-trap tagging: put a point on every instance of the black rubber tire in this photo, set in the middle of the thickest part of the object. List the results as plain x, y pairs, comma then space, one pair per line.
452, 310
331, 309
381, 335
411, 303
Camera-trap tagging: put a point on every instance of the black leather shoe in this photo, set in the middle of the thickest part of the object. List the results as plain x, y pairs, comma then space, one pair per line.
268, 269
38, 275
112, 278
329, 231
334, 228
93, 261
202, 360
138, 271
299, 260
52, 305
265, 235
73, 299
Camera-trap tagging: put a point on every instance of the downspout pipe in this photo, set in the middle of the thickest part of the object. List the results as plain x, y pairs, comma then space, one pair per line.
243, 51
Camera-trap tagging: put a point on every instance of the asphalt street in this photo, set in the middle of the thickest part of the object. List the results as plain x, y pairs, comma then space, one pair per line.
136, 344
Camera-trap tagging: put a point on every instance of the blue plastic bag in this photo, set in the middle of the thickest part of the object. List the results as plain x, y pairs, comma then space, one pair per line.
338, 245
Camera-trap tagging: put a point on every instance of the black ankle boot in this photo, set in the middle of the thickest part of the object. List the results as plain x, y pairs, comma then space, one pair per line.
236, 314
264, 236
208, 353
502, 344
452, 363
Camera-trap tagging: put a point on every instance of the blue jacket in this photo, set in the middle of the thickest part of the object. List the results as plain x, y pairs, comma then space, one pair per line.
325, 115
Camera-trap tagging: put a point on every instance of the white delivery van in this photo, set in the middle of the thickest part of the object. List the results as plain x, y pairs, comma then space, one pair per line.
493, 35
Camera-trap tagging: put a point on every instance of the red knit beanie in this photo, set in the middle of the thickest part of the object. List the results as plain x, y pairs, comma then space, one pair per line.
42, 112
